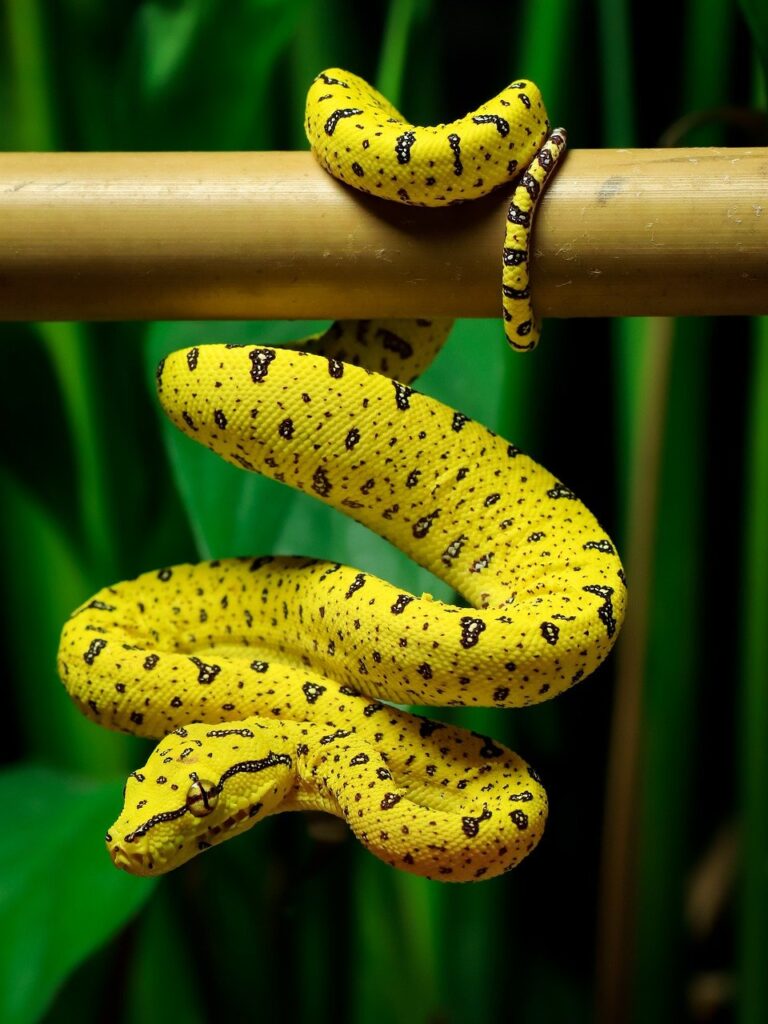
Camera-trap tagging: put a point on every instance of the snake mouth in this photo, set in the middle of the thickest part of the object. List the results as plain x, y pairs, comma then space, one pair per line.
134, 862
137, 863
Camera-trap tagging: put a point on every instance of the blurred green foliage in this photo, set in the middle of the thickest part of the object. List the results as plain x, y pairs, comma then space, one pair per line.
292, 922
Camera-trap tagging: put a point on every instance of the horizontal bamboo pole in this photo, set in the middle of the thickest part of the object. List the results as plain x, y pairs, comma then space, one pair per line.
93, 236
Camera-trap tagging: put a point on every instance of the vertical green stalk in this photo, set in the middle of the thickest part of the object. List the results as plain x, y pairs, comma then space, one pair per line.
33, 121
644, 359
401, 18
671, 685
48, 573
640, 369
70, 354
673, 661
617, 72
544, 48
753, 920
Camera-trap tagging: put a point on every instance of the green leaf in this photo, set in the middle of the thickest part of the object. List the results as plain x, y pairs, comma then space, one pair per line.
756, 15
60, 897
195, 77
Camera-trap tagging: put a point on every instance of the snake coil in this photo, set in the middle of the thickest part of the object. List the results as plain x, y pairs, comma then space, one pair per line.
269, 681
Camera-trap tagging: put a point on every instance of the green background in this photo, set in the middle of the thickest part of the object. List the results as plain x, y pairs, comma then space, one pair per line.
660, 426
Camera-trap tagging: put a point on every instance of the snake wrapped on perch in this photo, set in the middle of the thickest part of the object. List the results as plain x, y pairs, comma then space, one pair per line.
268, 680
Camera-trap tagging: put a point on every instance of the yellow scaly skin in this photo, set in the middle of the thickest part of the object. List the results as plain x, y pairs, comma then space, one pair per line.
267, 676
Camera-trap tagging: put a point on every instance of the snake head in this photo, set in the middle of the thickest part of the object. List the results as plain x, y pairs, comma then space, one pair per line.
200, 786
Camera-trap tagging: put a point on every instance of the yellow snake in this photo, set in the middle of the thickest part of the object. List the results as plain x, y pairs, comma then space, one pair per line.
268, 679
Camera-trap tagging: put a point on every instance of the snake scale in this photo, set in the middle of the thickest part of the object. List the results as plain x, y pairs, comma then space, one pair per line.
269, 681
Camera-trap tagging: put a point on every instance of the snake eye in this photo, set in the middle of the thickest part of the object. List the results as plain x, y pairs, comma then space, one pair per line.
202, 797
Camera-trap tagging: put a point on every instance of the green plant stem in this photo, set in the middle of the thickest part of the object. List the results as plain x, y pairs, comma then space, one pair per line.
31, 117
618, 870
616, 68
69, 352
65, 343
753, 922
398, 29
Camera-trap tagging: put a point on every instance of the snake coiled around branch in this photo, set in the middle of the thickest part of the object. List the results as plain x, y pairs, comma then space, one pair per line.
270, 681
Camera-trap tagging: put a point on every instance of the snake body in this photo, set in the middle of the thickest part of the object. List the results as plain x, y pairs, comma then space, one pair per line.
267, 679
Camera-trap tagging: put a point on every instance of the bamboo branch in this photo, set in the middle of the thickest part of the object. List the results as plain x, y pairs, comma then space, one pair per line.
90, 236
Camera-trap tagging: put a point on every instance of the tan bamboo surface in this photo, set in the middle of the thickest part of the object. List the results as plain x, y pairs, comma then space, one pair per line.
155, 236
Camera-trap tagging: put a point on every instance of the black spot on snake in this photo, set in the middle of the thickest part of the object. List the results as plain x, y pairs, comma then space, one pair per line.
394, 343
312, 691
356, 584
422, 527
330, 125
514, 257
331, 81
502, 125
550, 632
402, 602
453, 550
455, 143
561, 491
340, 734
531, 186
605, 611
260, 360
481, 563
402, 395
471, 629
471, 826
320, 482
94, 650
520, 217
599, 545
403, 144
206, 673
